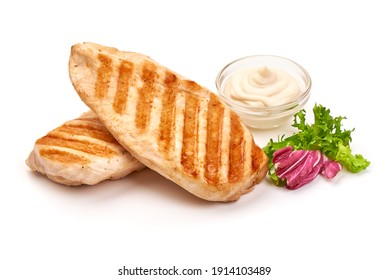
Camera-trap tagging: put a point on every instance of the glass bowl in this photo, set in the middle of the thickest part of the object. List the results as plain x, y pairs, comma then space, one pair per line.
265, 117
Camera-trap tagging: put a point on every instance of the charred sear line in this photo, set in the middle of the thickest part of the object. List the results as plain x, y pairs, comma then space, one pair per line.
146, 95
62, 156
93, 124
125, 74
95, 121
214, 140
79, 145
256, 157
168, 115
189, 154
237, 150
99, 133
190, 87
104, 74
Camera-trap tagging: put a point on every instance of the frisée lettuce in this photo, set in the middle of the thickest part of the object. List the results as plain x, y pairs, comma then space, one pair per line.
325, 134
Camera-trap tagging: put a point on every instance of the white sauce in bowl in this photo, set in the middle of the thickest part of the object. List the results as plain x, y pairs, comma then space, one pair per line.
263, 87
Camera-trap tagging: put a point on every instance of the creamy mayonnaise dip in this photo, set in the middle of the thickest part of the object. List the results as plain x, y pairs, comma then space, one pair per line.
263, 87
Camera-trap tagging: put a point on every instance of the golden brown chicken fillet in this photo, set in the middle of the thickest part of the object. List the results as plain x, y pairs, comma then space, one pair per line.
169, 123
81, 151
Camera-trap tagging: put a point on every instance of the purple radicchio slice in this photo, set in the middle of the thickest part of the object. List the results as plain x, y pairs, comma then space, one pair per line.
310, 168
289, 163
314, 171
282, 153
299, 167
330, 168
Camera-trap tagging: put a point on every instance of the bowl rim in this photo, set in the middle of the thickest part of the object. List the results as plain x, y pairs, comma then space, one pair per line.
281, 107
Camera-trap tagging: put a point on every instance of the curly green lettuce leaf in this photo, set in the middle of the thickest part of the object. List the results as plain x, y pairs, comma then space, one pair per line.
354, 163
325, 134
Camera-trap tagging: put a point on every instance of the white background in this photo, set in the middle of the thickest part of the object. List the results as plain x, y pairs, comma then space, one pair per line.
334, 229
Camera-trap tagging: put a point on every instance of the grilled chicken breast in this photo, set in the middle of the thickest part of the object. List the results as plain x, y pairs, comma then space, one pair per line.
81, 151
171, 124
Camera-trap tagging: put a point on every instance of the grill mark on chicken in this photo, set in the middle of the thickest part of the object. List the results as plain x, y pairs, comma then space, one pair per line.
125, 74
168, 114
63, 156
190, 135
256, 157
76, 144
237, 150
146, 95
104, 74
94, 121
86, 130
191, 87
214, 140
